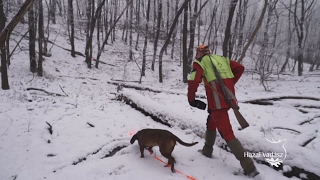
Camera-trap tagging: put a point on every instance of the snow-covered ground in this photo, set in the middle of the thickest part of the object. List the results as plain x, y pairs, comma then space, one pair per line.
91, 130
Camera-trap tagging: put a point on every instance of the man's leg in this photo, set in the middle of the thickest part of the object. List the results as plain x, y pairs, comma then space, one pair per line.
210, 137
225, 129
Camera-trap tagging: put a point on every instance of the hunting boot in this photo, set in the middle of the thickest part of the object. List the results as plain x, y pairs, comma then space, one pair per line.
208, 145
246, 162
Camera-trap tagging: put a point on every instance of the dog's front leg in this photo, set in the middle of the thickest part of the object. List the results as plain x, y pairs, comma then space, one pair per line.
141, 151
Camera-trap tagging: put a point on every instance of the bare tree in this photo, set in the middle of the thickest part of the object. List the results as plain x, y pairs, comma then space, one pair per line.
185, 68
71, 24
192, 31
40, 38
255, 31
302, 10
137, 24
266, 53
213, 27
90, 28
130, 32
32, 40
156, 39
165, 45
143, 68
53, 5
289, 41
242, 14
227, 33
174, 32
111, 29
4, 74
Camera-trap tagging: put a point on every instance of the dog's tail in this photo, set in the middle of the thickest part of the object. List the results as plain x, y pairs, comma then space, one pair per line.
134, 138
184, 143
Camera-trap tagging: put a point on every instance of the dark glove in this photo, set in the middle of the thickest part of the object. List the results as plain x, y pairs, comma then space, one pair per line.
198, 104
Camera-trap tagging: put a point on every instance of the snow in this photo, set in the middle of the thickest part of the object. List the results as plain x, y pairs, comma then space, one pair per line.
76, 150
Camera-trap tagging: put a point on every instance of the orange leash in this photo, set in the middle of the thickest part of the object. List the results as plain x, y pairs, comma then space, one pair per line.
157, 158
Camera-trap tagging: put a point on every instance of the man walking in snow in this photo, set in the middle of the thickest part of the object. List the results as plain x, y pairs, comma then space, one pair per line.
218, 118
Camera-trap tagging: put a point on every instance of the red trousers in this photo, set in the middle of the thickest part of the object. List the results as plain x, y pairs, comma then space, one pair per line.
219, 119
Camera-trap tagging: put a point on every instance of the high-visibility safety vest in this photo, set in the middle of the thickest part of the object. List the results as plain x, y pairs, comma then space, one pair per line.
222, 63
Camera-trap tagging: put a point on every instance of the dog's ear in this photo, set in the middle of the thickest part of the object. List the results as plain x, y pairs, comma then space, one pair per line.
133, 139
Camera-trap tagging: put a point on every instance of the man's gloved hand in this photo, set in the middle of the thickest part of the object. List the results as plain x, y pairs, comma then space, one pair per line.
198, 104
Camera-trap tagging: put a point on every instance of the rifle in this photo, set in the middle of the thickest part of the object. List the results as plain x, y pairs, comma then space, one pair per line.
242, 121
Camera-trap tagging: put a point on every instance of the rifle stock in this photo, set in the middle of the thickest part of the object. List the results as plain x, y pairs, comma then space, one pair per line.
242, 121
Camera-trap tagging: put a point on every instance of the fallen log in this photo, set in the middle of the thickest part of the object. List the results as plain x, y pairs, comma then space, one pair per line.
142, 88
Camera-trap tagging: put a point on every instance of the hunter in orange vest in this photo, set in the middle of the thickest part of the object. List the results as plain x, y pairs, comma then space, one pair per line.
218, 118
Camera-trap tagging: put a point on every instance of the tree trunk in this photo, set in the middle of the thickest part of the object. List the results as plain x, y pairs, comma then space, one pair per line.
137, 27
32, 41
265, 44
156, 39
71, 23
60, 7
242, 18
145, 41
130, 33
184, 45
53, 5
41, 35
4, 73
227, 34
99, 26
301, 29
288, 42
88, 50
174, 32
192, 30
93, 18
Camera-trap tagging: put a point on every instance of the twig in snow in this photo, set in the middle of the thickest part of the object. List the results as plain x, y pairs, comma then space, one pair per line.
309, 120
50, 128
289, 129
307, 142
14, 177
29, 125
50, 93
4, 132
90, 124
63, 91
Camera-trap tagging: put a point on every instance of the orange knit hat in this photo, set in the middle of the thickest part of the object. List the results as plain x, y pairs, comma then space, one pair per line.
202, 50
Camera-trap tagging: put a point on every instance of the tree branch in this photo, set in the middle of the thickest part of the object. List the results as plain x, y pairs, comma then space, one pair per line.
16, 19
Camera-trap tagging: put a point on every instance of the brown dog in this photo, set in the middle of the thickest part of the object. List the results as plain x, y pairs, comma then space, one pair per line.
147, 138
